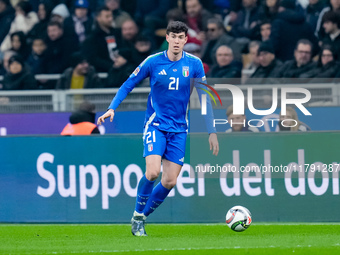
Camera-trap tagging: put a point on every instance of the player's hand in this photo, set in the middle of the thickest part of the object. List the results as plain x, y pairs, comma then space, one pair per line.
110, 113
214, 143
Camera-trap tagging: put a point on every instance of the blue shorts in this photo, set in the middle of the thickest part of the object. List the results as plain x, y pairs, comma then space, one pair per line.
168, 145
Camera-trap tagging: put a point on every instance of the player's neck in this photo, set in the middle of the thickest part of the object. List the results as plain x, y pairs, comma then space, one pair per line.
174, 57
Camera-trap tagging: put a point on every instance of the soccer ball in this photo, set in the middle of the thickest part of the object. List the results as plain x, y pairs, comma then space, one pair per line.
238, 218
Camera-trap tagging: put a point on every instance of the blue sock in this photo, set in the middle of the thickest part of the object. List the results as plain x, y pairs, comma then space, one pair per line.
144, 190
157, 196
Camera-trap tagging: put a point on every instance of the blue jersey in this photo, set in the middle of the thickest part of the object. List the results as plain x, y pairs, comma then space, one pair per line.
171, 84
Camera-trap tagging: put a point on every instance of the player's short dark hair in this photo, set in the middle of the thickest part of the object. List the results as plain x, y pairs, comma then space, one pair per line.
55, 23
332, 16
176, 27
101, 9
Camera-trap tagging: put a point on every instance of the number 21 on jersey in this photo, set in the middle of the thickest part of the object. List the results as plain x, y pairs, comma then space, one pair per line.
173, 85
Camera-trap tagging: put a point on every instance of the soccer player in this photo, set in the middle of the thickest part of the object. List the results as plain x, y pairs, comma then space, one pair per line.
165, 127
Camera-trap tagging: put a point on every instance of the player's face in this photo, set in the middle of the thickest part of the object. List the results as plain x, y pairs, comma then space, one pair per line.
176, 42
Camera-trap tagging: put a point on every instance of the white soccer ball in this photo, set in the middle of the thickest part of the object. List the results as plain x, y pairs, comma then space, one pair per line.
238, 218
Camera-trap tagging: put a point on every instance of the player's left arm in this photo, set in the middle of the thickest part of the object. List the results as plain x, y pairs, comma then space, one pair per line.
209, 117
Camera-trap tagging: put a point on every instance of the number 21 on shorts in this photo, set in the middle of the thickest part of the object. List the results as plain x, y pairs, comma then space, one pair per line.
150, 137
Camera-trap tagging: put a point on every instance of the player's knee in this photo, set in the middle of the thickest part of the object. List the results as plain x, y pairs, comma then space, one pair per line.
169, 183
151, 175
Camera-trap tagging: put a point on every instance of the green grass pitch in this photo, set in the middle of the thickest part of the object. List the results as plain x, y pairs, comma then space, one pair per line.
169, 239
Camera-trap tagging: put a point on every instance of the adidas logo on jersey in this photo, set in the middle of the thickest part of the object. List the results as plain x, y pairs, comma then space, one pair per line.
162, 72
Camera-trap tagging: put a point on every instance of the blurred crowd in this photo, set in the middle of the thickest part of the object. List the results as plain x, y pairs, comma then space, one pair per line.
271, 39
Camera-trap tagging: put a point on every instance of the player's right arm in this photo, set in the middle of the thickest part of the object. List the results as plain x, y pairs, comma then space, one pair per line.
139, 74
109, 113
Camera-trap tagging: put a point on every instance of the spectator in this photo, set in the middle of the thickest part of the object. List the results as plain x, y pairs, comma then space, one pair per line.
197, 17
230, 18
129, 33
82, 121
6, 56
142, 49
327, 66
79, 24
80, 75
331, 25
269, 10
59, 49
247, 20
24, 20
221, 7
18, 77
40, 29
252, 61
106, 40
265, 30
121, 69
290, 122
334, 6
150, 16
36, 58
241, 124
225, 67
217, 36
7, 15
268, 65
119, 16
313, 11
60, 13
288, 28
18, 43
301, 63
195, 49
151, 13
